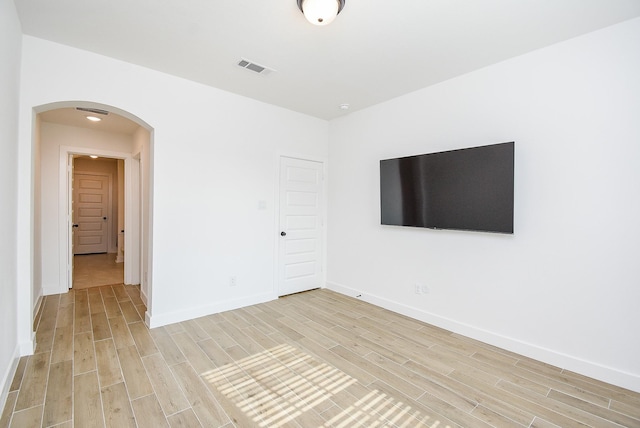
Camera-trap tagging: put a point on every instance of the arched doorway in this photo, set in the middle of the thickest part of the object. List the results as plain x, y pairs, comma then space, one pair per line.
62, 132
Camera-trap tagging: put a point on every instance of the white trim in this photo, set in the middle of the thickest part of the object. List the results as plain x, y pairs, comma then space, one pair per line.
130, 204
191, 313
37, 305
549, 356
66, 275
28, 347
143, 297
49, 289
133, 222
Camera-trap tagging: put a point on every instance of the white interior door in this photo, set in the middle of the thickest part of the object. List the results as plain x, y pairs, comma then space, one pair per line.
301, 226
90, 213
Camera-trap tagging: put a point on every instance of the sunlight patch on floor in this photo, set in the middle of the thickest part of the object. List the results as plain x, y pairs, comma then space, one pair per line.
276, 386
377, 409
279, 384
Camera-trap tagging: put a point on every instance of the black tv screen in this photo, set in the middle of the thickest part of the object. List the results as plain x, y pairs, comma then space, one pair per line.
466, 189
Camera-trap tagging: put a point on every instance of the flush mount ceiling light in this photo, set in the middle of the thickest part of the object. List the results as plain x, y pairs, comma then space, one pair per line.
320, 12
94, 119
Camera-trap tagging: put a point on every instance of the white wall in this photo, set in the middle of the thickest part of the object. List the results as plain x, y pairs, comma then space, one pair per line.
142, 147
214, 158
10, 41
37, 293
52, 137
565, 287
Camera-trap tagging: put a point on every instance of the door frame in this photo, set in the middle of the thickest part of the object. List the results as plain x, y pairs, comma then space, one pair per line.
131, 202
277, 226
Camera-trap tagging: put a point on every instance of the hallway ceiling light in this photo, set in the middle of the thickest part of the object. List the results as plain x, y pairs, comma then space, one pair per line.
93, 156
320, 12
94, 119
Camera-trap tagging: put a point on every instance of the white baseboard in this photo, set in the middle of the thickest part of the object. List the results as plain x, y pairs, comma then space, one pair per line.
144, 298
29, 347
50, 289
36, 307
588, 368
7, 377
158, 320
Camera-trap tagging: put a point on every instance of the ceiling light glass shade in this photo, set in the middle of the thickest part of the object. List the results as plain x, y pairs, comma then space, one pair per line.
320, 12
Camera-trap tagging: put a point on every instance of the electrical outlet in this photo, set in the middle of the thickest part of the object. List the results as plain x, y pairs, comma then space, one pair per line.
421, 289
233, 281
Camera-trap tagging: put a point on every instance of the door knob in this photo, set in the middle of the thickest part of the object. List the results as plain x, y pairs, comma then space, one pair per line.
75, 225
283, 233
104, 218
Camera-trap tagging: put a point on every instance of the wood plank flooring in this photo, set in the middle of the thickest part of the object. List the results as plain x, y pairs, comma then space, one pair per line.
316, 359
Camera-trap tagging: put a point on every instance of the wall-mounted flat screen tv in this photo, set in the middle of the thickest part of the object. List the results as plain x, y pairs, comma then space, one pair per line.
466, 189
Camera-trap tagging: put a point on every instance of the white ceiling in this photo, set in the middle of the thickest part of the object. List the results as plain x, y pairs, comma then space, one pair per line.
374, 51
73, 117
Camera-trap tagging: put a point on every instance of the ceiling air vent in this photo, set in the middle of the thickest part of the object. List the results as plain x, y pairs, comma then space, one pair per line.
93, 110
257, 68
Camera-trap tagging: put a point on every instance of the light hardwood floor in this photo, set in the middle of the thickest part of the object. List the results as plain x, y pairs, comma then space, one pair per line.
308, 360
